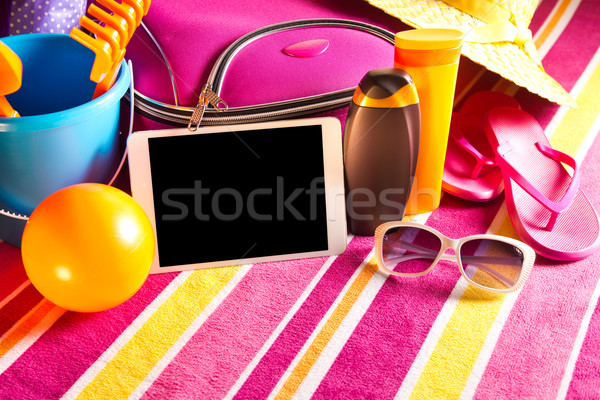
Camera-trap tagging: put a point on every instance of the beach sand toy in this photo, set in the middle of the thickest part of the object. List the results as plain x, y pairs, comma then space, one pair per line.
62, 137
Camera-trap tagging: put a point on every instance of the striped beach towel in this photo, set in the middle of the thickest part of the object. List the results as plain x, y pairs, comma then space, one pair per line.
336, 327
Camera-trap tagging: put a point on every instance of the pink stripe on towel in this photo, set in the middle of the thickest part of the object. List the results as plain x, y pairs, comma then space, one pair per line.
570, 48
18, 307
13, 273
542, 12
585, 383
287, 345
576, 45
61, 355
376, 358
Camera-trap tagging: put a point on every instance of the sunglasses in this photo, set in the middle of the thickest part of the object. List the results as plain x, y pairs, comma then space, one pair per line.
490, 262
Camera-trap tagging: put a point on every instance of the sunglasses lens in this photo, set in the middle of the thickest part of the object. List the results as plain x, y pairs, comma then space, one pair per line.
491, 263
409, 250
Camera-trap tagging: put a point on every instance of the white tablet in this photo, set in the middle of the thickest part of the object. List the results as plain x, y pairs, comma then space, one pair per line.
241, 194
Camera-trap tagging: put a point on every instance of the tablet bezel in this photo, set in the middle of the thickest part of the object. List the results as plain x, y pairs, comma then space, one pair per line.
141, 185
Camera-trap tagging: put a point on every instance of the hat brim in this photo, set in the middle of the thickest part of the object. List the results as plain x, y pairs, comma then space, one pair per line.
504, 58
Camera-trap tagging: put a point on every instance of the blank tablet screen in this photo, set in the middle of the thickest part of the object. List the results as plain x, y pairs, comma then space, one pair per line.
235, 195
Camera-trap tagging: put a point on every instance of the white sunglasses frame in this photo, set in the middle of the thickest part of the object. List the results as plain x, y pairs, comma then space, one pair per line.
454, 244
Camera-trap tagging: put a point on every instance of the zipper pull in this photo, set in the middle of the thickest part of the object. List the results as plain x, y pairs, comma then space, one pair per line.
206, 97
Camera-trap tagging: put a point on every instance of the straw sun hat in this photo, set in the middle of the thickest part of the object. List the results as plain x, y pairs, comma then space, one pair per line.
496, 36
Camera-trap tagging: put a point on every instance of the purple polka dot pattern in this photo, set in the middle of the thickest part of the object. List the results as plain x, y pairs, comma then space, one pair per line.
50, 16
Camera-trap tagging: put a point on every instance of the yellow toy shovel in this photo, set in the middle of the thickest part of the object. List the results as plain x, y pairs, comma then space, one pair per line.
11, 71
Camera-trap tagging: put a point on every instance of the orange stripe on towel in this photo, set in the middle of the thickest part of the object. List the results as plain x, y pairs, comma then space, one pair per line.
547, 30
23, 327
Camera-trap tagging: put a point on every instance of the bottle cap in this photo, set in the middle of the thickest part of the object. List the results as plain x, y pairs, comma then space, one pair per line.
429, 39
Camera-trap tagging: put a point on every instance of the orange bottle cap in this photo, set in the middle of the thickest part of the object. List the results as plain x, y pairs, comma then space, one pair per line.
429, 39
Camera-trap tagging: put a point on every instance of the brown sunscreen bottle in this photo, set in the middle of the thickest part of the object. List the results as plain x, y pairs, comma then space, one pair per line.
381, 145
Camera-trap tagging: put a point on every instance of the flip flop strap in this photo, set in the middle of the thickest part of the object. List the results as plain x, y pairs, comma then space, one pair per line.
554, 207
480, 159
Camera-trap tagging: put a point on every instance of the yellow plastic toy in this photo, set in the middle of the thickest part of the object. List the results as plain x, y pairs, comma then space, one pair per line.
11, 71
115, 29
102, 49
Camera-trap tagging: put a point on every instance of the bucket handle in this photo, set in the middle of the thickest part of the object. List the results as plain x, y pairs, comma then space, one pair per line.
131, 114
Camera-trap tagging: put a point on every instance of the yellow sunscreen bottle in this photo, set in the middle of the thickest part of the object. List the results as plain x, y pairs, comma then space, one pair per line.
431, 58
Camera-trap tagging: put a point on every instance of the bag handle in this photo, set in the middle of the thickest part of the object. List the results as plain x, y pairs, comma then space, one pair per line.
210, 92
210, 108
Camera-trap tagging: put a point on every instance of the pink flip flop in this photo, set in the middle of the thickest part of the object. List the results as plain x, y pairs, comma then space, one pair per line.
546, 207
469, 170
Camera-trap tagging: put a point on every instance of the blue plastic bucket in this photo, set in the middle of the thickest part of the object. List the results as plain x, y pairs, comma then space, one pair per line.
62, 137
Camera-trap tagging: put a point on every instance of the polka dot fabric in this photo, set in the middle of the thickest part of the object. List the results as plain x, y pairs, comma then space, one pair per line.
50, 16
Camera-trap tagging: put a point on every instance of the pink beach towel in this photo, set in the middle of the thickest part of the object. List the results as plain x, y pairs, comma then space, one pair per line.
336, 327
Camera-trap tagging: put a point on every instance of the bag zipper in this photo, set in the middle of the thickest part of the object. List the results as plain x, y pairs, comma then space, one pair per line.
211, 110
181, 116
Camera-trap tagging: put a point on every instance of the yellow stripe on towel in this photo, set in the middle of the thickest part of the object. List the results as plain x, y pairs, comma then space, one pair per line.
124, 372
577, 122
460, 343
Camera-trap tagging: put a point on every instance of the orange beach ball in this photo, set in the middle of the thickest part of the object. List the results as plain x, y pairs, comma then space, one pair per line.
88, 247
